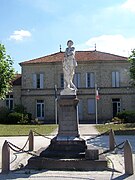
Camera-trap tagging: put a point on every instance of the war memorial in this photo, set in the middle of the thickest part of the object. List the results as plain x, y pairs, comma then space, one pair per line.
68, 150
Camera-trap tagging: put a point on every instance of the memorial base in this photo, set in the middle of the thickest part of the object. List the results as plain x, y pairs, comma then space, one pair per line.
72, 148
68, 151
68, 142
80, 164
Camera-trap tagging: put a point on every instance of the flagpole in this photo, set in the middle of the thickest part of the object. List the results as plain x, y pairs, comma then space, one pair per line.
56, 107
96, 103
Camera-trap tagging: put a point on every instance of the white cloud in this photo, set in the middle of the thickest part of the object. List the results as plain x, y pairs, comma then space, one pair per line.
115, 44
19, 35
129, 5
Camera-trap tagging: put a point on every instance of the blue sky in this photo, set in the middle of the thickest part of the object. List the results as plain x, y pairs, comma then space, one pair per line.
34, 28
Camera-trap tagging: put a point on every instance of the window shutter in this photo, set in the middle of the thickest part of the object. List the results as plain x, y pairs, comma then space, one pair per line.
41, 81
77, 80
117, 79
92, 80
113, 79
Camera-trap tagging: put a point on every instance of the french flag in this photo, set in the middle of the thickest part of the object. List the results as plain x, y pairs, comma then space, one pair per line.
97, 95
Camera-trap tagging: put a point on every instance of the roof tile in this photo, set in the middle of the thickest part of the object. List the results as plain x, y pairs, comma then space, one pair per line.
79, 55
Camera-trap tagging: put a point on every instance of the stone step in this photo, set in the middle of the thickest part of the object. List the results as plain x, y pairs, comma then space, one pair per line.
67, 164
62, 154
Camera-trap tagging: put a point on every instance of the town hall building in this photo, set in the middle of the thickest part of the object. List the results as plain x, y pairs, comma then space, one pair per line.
41, 81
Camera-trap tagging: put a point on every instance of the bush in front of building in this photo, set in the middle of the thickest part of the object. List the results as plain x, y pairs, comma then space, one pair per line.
4, 112
19, 108
126, 116
17, 118
117, 120
27, 117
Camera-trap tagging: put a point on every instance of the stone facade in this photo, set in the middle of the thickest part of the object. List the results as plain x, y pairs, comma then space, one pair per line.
40, 101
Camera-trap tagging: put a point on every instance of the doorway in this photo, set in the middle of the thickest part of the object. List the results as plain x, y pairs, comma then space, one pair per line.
116, 104
40, 109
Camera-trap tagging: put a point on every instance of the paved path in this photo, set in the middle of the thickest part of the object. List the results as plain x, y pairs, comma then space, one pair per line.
116, 163
84, 129
87, 129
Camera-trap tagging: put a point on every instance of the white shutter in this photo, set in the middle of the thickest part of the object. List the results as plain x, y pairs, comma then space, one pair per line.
113, 79
34, 81
41, 81
77, 80
117, 79
92, 80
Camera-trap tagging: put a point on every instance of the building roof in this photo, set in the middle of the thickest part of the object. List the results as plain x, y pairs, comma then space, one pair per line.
17, 80
79, 55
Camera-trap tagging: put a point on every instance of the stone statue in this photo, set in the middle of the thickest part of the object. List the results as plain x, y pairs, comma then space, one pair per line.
69, 65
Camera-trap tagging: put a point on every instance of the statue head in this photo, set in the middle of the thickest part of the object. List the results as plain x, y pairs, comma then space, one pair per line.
70, 43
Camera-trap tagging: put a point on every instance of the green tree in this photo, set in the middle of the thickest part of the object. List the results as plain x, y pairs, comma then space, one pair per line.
131, 59
6, 72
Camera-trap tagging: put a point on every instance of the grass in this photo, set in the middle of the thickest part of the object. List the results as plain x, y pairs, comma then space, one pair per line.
119, 129
22, 130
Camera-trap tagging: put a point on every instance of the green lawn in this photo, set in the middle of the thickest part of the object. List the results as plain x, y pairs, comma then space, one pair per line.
119, 129
21, 130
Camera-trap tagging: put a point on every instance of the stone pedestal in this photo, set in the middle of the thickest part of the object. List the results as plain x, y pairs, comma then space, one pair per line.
68, 117
68, 142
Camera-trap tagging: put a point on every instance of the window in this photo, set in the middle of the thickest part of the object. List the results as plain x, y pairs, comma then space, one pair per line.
38, 81
62, 80
77, 79
91, 106
115, 79
9, 101
90, 80
40, 109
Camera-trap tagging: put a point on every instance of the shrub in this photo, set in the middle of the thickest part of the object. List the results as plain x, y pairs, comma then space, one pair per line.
24, 119
127, 116
14, 118
117, 120
3, 114
20, 109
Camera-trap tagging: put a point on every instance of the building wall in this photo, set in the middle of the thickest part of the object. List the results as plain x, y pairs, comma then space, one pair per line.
28, 95
103, 73
17, 94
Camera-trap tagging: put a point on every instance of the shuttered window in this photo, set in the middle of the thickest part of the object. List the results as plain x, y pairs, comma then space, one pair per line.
90, 80
115, 79
38, 81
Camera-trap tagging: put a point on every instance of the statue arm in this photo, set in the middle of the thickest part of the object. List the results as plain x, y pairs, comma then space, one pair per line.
69, 52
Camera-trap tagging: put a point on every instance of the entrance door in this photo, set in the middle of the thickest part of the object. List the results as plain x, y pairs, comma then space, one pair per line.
40, 109
116, 106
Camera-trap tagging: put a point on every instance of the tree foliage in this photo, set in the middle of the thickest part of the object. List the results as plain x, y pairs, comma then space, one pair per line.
131, 59
6, 72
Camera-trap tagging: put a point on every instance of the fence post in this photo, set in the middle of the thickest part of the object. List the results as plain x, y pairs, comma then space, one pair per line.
31, 140
128, 158
111, 140
5, 158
